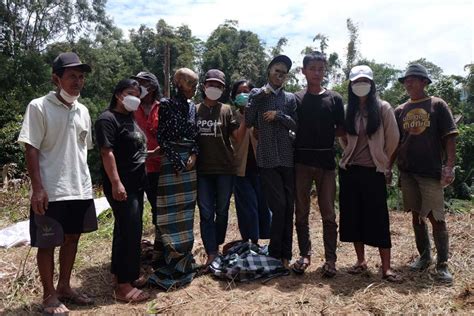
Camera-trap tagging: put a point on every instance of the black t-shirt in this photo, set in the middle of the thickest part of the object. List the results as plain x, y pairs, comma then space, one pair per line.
318, 117
423, 125
121, 133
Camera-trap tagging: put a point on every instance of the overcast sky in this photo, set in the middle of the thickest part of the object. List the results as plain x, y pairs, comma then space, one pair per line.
393, 32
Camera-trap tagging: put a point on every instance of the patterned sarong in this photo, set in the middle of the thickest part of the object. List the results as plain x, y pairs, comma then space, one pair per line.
174, 263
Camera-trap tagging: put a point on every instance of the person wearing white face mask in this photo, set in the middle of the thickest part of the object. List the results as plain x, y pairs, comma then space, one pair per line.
57, 132
215, 166
146, 117
371, 138
123, 151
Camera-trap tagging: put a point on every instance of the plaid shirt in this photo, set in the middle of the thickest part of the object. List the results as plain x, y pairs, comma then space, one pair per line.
275, 142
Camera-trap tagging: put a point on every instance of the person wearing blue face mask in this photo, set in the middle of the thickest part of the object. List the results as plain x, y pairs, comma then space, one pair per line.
215, 166
253, 214
123, 151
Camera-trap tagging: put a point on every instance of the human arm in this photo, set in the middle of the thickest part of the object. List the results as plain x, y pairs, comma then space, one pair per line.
391, 137
39, 196
447, 173
108, 160
286, 116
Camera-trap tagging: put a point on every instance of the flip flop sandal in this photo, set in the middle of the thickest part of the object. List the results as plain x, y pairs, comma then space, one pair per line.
300, 265
52, 307
328, 270
393, 278
357, 269
78, 299
134, 296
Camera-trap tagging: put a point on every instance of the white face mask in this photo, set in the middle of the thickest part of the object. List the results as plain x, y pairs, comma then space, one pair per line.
67, 97
144, 92
361, 89
213, 93
131, 103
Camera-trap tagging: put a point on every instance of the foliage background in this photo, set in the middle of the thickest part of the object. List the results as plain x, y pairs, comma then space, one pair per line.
32, 33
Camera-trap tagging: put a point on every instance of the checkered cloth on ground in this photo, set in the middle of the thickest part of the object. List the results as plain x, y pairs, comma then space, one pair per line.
174, 262
244, 262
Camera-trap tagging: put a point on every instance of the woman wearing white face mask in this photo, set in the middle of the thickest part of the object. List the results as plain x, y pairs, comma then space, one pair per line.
215, 166
123, 151
371, 138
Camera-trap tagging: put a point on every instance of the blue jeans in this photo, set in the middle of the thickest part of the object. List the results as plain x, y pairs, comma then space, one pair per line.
253, 214
213, 198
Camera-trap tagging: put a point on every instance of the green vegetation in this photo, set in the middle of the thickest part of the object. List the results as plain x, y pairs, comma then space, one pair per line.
28, 46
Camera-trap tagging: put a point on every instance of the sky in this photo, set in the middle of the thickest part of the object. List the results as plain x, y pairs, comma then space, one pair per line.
393, 32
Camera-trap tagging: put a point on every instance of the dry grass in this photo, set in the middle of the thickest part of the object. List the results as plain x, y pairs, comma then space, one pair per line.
364, 294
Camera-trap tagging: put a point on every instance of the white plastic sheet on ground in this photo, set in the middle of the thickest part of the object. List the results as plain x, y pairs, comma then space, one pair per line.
18, 234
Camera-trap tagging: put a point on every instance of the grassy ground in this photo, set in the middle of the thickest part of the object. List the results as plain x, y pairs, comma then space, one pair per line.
20, 289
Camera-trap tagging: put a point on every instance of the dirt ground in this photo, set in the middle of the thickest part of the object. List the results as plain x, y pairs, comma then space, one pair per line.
363, 294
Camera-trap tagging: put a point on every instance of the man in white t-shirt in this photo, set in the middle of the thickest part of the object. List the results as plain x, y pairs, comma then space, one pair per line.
56, 133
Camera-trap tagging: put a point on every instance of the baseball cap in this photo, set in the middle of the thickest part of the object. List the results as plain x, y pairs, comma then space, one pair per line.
361, 71
215, 75
281, 59
148, 76
415, 70
69, 59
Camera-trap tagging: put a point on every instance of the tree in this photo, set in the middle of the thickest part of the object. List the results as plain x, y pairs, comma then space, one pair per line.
238, 53
352, 47
151, 44
31, 25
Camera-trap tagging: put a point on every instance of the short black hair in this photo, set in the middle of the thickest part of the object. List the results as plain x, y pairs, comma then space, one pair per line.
122, 85
237, 84
314, 56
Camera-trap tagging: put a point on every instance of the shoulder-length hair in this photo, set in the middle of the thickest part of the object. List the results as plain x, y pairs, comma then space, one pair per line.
122, 85
373, 111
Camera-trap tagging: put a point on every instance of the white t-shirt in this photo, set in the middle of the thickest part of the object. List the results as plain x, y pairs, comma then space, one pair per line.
63, 135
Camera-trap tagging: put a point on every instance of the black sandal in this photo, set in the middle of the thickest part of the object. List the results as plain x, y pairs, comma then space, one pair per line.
300, 265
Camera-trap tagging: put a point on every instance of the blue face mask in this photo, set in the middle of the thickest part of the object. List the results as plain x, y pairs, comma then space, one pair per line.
241, 100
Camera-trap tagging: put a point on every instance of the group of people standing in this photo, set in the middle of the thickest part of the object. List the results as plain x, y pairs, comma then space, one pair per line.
267, 150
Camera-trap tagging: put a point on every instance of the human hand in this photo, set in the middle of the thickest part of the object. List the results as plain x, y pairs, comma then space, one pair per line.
155, 152
118, 192
269, 116
388, 177
191, 162
447, 176
39, 201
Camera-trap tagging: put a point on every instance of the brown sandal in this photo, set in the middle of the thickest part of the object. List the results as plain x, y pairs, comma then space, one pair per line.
392, 278
329, 271
300, 265
357, 269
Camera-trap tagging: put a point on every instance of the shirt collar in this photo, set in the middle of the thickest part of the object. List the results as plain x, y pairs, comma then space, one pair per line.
274, 91
51, 96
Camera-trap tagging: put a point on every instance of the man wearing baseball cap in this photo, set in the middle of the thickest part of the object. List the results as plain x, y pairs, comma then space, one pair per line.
56, 133
427, 131
147, 119
272, 111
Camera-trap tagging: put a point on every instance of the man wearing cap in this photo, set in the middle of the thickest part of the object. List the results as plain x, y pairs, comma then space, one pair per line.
56, 132
272, 111
426, 157
146, 117
215, 167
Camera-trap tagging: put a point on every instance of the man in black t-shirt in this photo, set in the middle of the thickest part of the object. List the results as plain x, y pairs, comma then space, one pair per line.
320, 117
